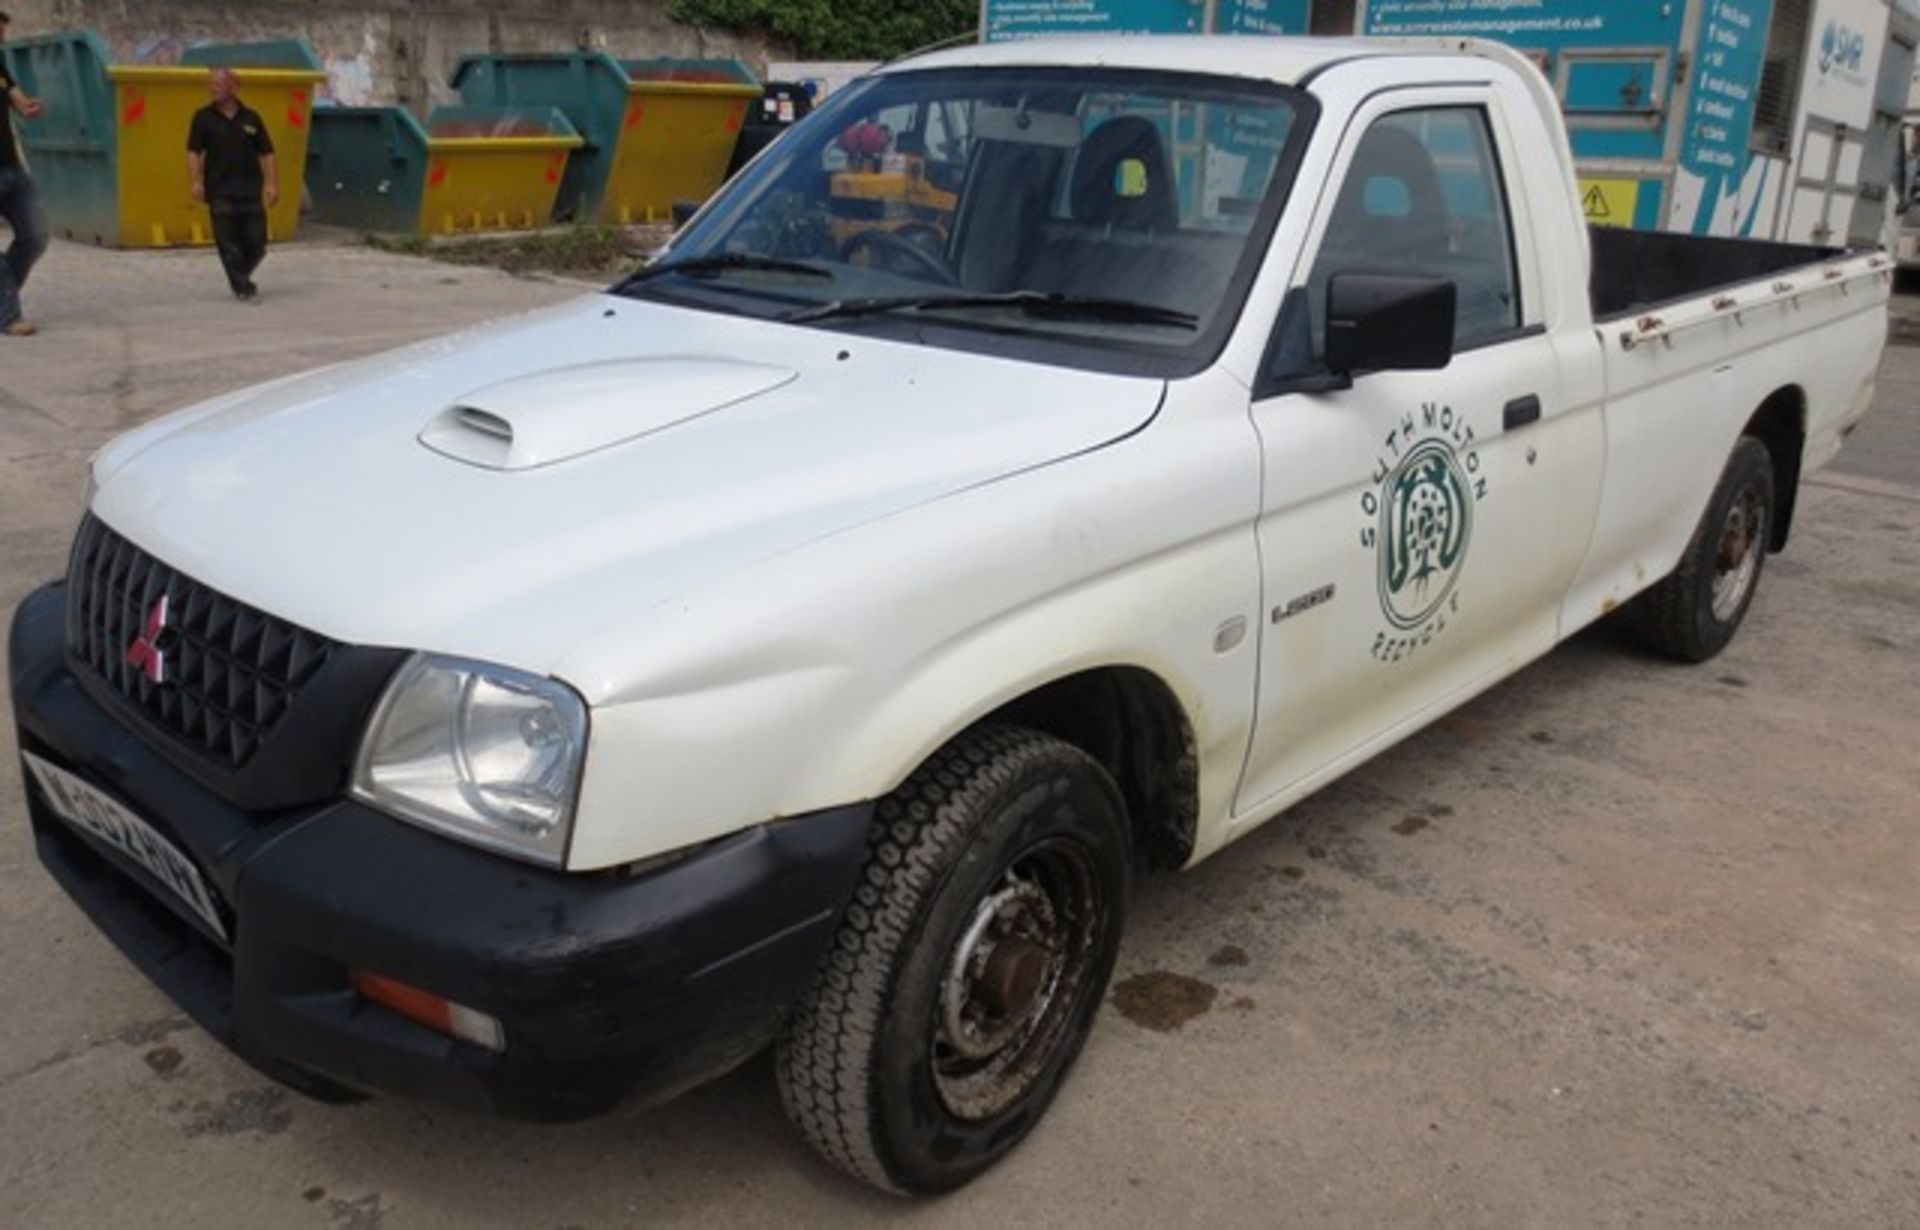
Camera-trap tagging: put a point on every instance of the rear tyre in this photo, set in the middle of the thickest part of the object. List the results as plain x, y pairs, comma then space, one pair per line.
966, 973
1693, 613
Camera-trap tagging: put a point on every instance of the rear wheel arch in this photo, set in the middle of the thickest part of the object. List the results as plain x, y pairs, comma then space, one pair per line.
1693, 612
1781, 425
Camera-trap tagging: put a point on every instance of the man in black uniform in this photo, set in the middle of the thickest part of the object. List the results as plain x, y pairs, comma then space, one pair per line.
18, 204
230, 159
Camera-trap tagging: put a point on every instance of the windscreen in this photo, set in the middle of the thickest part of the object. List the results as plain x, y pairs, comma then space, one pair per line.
1112, 210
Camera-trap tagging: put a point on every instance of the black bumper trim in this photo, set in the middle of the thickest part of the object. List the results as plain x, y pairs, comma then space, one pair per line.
177, 959
610, 986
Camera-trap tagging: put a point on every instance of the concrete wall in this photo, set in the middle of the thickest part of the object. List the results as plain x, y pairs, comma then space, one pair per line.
382, 51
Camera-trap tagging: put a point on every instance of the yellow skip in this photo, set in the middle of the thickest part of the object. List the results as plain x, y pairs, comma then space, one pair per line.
481, 183
153, 108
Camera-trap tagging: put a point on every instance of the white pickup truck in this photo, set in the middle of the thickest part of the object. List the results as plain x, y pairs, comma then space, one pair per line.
1046, 461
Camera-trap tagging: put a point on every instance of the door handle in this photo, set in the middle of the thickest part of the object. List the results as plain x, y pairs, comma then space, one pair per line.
1521, 411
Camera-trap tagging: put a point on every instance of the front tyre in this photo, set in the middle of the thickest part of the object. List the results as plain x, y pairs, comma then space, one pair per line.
966, 973
1693, 613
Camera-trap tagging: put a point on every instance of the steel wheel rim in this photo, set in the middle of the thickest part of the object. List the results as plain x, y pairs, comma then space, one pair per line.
1737, 562
1014, 979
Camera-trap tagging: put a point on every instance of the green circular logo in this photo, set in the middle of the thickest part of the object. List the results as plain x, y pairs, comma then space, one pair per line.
1426, 518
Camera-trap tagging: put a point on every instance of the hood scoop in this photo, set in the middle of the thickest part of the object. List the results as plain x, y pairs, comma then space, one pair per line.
553, 416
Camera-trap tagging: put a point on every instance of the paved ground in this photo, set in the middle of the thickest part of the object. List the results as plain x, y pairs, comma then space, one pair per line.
1619, 943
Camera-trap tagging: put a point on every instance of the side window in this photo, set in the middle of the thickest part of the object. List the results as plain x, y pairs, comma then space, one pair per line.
1424, 195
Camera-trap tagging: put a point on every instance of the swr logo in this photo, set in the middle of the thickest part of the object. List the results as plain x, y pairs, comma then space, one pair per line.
1842, 47
145, 654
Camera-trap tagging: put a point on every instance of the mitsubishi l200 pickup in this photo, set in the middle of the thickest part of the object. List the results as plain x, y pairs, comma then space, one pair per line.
805, 640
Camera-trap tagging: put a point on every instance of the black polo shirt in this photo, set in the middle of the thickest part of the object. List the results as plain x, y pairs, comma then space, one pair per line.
233, 148
9, 153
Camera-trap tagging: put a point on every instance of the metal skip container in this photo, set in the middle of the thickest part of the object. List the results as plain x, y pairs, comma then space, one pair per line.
467, 169
655, 132
109, 157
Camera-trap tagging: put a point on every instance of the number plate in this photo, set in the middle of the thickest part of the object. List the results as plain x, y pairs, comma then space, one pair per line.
94, 813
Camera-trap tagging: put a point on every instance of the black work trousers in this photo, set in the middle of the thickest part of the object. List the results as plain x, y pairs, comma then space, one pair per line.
240, 232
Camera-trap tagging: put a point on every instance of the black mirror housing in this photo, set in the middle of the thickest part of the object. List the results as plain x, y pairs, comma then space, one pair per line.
683, 212
1378, 322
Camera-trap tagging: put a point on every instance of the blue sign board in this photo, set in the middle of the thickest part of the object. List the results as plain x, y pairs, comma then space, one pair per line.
1729, 54
1010, 19
1617, 67
1002, 20
1539, 24
1616, 60
1262, 17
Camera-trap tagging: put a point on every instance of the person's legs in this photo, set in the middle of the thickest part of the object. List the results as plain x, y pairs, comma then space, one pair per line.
229, 237
21, 208
255, 236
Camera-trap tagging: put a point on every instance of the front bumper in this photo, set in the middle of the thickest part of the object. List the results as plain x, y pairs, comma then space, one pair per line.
610, 986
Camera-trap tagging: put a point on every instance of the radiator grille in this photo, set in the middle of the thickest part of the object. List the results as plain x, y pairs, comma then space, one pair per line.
211, 672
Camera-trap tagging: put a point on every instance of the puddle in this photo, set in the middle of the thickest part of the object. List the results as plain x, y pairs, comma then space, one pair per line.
164, 1060
1162, 1001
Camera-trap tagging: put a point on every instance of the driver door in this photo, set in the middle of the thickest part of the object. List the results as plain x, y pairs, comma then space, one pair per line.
1419, 528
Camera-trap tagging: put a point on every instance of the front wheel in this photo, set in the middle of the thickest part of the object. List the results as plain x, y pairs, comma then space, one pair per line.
1693, 613
965, 976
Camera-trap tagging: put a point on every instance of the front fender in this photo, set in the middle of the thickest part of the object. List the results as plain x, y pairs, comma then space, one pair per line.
832, 672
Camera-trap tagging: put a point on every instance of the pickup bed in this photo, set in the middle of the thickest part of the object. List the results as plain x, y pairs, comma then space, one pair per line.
1046, 462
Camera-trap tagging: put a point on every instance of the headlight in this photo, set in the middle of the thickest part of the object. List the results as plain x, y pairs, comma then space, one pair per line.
482, 753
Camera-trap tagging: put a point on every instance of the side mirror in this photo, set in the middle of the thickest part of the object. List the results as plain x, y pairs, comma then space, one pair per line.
1381, 322
683, 212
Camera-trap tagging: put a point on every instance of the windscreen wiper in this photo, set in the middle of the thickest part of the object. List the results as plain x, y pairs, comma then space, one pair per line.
1032, 302
720, 262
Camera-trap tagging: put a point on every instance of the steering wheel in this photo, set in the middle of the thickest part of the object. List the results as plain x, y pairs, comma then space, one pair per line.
887, 242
